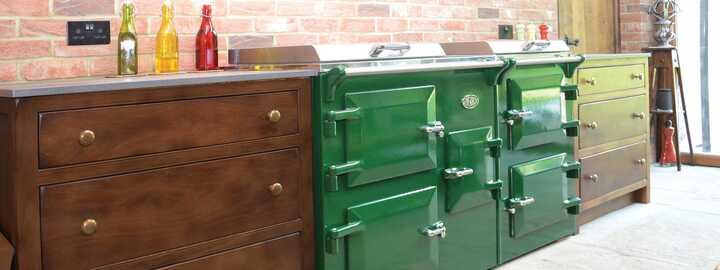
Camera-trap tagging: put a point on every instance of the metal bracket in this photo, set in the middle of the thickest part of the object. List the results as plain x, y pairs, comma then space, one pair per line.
570, 91
495, 146
435, 230
333, 116
334, 171
569, 68
336, 234
572, 169
333, 79
571, 128
573, 205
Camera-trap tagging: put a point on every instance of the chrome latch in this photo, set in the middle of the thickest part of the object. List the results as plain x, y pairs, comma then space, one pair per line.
455, 173
519, 202
435, 230
514, 115
435, 127
538, 45
400, 49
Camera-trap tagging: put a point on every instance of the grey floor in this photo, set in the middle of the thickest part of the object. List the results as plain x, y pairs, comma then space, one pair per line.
680, 229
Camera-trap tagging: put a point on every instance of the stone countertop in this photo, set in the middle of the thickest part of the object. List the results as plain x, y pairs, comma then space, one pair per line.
101, 84
598, 56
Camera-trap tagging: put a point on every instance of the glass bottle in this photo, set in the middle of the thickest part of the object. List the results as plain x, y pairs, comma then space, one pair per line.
206, 42
127, 42
166, 49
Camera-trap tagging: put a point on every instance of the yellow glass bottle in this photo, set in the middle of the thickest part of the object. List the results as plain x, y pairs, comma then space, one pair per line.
166, 49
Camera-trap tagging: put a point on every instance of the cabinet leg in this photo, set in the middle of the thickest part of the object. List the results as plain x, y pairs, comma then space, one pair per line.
642, 195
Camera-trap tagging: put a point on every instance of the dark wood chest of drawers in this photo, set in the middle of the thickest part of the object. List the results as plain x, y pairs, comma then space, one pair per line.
197, 177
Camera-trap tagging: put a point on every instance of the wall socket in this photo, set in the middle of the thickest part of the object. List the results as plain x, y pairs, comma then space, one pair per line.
88, 32
505, 31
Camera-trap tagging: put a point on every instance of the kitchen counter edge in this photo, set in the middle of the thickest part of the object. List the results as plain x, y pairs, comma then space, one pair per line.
615, 56
103, 84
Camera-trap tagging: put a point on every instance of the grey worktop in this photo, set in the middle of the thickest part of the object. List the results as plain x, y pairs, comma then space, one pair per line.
100, 84
599, 56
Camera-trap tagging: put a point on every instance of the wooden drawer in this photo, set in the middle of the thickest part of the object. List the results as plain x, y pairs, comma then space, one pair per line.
277, 254
148, 212
78, 136
608, 79
609, 171
611, 120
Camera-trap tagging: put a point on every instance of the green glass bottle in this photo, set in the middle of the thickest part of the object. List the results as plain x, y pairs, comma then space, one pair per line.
127, 42
166, 48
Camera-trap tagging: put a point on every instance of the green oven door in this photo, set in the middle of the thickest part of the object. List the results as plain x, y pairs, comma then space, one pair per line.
539, 194
470, 175
399, 233
388, 133
535, 109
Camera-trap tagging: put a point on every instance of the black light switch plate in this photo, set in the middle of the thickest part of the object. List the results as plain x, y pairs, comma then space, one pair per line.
505, 31
88, 33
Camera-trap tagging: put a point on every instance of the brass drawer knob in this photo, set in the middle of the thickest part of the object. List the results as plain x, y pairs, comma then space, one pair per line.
274, 116
89, 226
639, 115
87, 137
638, 76
276, 189
641, 161
593, 177
591, 81
591, 125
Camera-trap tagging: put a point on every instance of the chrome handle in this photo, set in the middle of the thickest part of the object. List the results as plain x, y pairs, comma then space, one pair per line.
455, 173
274, 116
593, 177
435, 127
89, 226
641, 161
435, 230
639, 115
522, 201
591, 81
276, 189
637, 76
591, 125
523, 114
400, 48
87, 137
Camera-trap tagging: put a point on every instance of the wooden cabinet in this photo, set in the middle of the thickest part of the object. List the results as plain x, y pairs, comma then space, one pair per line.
613, 138
203, 177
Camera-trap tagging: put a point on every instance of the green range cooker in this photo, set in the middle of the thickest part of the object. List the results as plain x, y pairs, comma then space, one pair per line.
410, 146
537, 163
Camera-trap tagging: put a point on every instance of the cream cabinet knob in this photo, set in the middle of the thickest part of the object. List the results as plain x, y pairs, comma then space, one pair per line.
591, 81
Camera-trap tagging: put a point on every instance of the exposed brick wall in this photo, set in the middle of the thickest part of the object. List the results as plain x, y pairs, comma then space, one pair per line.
33, 45
636, 26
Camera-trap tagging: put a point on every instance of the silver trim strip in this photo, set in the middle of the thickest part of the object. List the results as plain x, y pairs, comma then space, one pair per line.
549, 60
362, 71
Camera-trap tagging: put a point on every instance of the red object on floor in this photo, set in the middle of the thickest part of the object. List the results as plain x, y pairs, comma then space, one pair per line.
668, 155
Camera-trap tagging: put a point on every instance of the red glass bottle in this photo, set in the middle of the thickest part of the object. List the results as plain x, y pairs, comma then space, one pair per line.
206, 43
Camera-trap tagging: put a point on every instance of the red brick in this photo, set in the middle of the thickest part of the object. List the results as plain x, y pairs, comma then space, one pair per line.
232, 25
437, 37
299, 8
8, 72
429, 2
187, 61
146, 44
250, 41
373, 10
194, 7
453, 25
357, 25
411, 11
481, 3
24, 7
183, 25
63, 50
275, 25
452, 2
296, 39
482, 26
22, 49
319, 25
83, 7
464, 13
437, 12
407, 37
53, 69
7, 28
186, 44
337, 38
251, 8
33, 28
103, 66
339, 9
464, 36
424, 25
373, 38
392, 25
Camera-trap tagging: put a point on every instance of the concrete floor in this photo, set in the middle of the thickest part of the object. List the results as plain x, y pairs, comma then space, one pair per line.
680, 229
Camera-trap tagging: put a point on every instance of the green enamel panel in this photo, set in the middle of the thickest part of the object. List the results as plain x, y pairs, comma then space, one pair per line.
391, 233
608, 79
391, 120
541, 98
543, 181
469, 149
